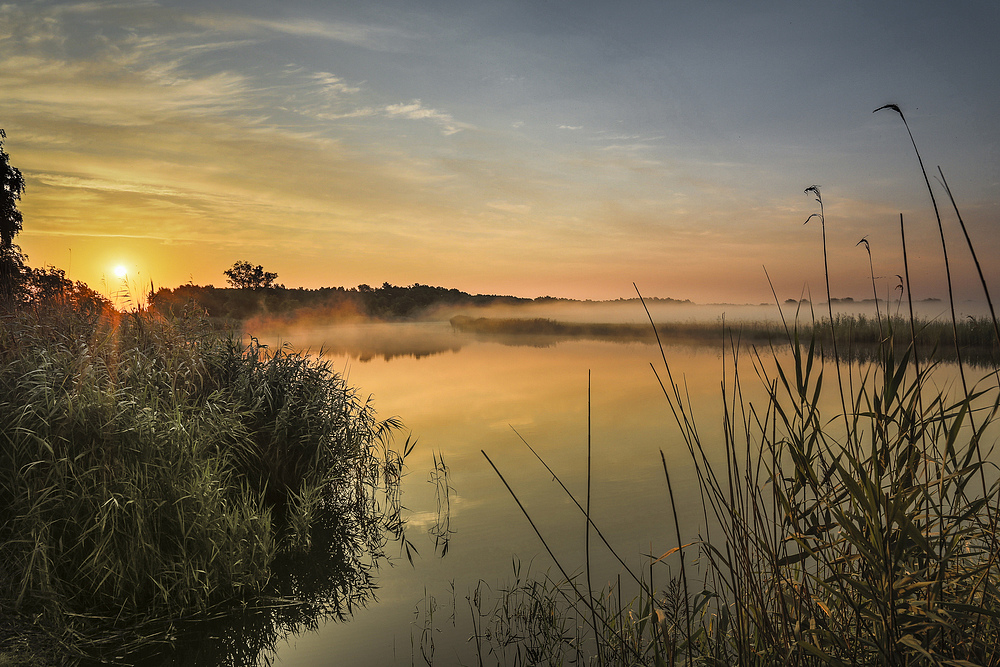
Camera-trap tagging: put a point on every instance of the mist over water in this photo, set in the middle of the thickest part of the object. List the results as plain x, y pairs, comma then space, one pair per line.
364, 341
632, 311
431, 334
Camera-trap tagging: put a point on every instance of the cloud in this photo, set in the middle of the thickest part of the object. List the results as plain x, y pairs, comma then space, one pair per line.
362, 112
571, 127
415, 110
377, 38
65, 181
86, 92
331, 83
509, 207
91, 7
144, 75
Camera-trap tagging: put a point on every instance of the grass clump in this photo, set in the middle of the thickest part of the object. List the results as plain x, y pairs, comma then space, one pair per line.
151, 471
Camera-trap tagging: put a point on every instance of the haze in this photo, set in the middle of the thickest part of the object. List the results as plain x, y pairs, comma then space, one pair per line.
513, 147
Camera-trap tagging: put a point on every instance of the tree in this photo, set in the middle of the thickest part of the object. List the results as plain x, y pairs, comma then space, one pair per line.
245, 276
11, 260
49, 286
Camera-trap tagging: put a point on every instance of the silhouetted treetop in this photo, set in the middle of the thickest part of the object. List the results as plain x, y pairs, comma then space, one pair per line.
244, 275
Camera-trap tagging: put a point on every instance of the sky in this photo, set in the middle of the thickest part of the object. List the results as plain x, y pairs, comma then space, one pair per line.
526, 147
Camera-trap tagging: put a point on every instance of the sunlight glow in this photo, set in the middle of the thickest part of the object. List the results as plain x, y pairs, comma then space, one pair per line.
120, 271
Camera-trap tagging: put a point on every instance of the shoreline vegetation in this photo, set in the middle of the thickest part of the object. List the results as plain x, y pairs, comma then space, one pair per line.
388, 303
859, 537
858, 335
233, 307
155, 475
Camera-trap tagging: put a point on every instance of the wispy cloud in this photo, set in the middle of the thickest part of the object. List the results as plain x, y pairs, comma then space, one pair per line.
415, 110
377, 38
85, 92
65, 181
508, 207
332, 83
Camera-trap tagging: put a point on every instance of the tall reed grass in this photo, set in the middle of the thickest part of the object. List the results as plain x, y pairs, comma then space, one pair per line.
151, 470
862, 534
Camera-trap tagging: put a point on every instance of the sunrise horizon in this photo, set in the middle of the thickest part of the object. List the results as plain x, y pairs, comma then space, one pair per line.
511, 150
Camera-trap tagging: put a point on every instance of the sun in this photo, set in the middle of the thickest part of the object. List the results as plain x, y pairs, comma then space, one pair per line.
121, 271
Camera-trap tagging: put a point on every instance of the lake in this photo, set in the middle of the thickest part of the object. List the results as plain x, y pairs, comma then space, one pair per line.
457, 395
461, 394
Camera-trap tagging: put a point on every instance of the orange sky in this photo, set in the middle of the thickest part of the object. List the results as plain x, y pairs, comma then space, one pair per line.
505, 148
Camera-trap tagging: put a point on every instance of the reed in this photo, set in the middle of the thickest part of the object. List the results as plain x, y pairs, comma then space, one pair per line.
864, 535
151, 470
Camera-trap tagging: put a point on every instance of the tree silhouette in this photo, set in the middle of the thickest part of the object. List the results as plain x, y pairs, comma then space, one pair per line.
11, 260
243, 275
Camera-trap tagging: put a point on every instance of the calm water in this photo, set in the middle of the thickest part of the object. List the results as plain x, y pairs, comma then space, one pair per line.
458, 395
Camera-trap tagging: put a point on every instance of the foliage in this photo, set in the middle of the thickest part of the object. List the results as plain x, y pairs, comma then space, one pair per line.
243, 275
48, 288
12, 183
864, 539
225, 304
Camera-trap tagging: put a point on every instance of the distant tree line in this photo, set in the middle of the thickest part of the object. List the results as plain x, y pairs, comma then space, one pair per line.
253, 292
388, 302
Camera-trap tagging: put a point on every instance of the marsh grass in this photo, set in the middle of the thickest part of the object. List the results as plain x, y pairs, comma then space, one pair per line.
865, 543
861, 534
152, 472
858, 336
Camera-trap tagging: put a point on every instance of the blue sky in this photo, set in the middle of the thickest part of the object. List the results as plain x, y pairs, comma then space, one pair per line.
563, 148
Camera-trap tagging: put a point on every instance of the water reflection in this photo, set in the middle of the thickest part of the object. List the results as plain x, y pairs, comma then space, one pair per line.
329, 581
441, 529
369, 341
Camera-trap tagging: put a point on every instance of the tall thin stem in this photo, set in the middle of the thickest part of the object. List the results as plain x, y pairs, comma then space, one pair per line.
944, 246
871, 272
829, 302
590, 587
975, 258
